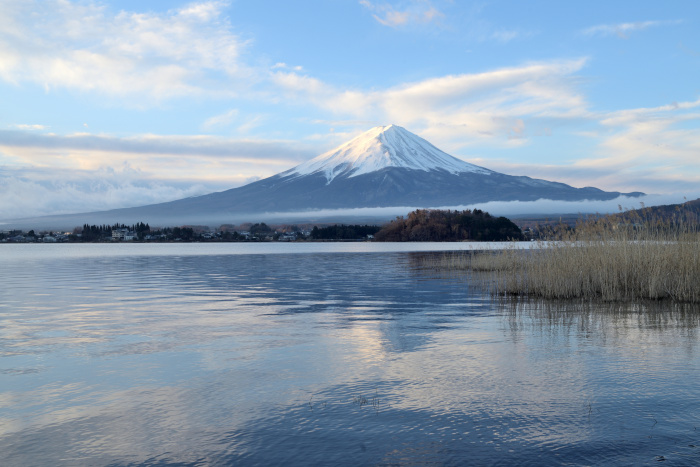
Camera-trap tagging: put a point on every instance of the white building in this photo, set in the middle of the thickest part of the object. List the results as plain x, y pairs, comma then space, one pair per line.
123, 234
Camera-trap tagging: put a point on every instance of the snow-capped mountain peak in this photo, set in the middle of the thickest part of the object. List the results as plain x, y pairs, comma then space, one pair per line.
381, 147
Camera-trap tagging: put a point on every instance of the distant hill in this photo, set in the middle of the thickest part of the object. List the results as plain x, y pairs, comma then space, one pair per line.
688, 212
669, 218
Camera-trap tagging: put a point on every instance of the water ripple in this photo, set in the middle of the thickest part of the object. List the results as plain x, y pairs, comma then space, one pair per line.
332, 359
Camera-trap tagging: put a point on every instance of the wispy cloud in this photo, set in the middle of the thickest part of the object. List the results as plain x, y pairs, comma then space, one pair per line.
224, 119
645, 149
88, 47
284, 66
232, 118
635, 141
468, 108
623, 30
24, 126
27, 148
212, 160
403, 14
505, 36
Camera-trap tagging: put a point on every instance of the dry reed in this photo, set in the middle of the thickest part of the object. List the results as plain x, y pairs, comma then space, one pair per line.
623, 257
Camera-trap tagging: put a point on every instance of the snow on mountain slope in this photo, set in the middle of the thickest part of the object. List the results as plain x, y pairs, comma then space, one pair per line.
381, 147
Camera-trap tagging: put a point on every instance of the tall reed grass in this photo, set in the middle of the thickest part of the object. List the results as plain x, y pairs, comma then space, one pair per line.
622, 257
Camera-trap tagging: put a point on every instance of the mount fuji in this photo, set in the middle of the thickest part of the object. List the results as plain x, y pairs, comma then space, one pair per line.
386, 166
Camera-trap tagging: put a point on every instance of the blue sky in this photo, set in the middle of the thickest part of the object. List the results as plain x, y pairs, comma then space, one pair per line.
110, 104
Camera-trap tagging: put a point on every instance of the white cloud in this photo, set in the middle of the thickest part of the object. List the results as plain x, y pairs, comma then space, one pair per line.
497, 208
623, 30
23, 126
656, 146
459, 109
86, 46
647, 149
405, 14
128, 172
284, 66
36, 192
204, 146
546, 206
628, 116
412, 12
42, 174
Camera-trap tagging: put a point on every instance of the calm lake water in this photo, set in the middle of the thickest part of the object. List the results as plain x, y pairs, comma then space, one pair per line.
326, 354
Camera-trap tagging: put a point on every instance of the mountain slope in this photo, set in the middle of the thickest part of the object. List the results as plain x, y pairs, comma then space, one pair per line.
384, 167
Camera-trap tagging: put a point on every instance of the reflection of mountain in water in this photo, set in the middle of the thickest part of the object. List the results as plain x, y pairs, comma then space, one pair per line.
386, 300
278, 359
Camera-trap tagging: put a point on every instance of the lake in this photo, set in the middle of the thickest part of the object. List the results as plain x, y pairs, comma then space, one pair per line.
327, 354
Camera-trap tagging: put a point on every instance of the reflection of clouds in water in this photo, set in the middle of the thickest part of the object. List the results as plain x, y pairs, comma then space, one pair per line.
254, 324
367, 343
124, 426
258, 359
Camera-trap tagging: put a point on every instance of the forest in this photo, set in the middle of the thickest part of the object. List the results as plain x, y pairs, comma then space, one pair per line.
426, 225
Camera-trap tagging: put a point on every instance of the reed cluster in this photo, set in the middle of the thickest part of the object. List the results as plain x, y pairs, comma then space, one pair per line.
623, 257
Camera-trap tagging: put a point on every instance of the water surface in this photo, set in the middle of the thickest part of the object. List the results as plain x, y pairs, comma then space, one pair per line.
215, 355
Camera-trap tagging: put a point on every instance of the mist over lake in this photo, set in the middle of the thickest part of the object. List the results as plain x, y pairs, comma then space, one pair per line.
327, 354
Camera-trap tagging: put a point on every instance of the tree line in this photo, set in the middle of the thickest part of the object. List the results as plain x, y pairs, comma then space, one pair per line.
343, 232
417, 226
97, 232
